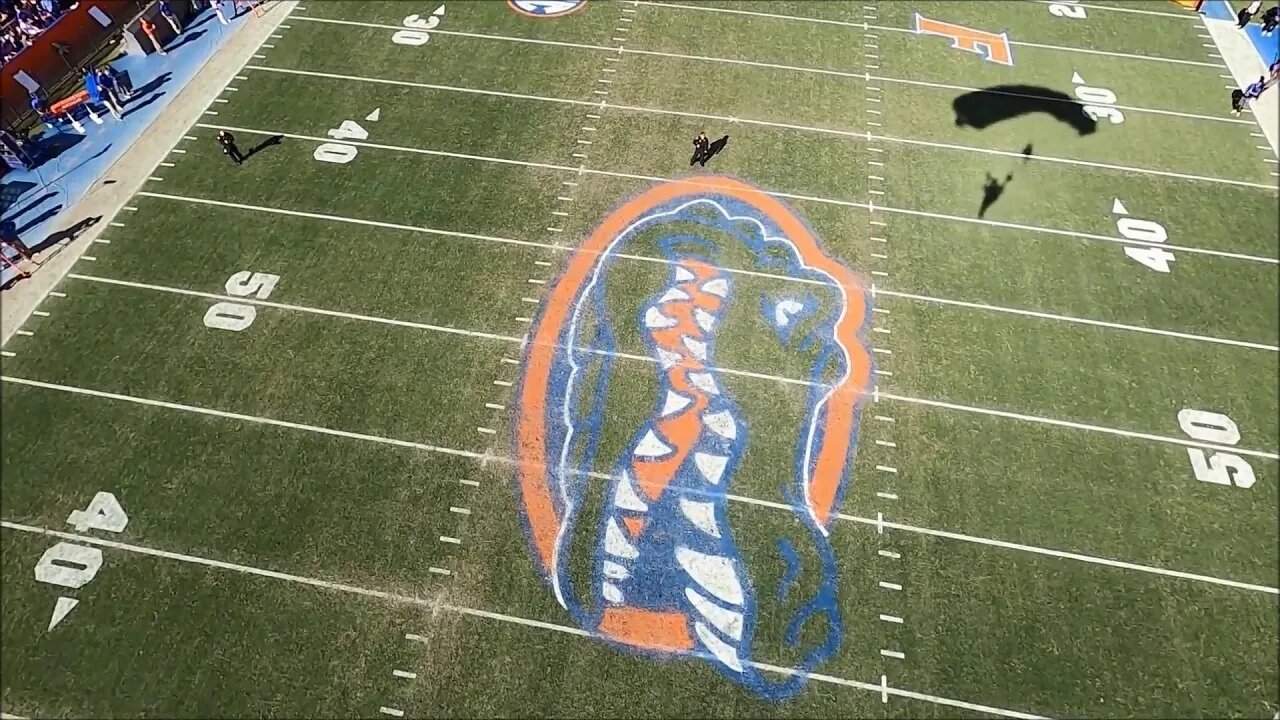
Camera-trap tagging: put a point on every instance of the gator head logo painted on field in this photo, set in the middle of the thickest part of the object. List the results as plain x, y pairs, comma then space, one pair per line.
633, 431
545, 8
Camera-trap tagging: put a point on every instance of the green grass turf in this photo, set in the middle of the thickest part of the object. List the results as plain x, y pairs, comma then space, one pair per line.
453, 242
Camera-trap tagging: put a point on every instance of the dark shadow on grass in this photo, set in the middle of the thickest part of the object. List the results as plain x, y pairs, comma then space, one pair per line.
269, 142
992, 189
983, 108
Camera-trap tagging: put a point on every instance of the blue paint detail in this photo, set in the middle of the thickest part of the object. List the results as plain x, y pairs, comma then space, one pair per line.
548, 9
59, 183
787, 552
662, 581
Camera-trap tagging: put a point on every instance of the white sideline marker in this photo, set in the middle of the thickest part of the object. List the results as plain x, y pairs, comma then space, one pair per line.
890, 586
404, 674
391, 711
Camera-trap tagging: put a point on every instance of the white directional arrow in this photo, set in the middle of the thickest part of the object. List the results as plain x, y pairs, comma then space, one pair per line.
1075, 78
60, 610
1117, 208
373, 116
438, 11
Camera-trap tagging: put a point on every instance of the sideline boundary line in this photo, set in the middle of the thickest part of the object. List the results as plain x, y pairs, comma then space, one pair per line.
473, 612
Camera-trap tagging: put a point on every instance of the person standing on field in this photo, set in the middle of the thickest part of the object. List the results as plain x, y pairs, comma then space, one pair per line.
228, 143
701, 146
1245, 15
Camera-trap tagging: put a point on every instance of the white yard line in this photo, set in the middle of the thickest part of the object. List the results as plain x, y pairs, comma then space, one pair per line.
751, 273
473, 612
862, 77
864, 136
404, 323
485, 458
820, 21
579, 170
728, 371
559, 43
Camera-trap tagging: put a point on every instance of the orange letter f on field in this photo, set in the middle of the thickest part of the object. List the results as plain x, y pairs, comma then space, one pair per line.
990, 46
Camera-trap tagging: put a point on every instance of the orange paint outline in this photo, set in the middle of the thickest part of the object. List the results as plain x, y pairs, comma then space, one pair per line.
533, 469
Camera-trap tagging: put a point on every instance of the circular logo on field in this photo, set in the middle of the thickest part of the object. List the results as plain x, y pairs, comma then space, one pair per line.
545, 8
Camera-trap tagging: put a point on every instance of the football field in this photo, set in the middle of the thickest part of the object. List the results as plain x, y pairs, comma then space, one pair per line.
946, 387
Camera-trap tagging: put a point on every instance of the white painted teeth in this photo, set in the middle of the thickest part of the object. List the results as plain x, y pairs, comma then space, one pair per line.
674, 294
616, 542
728, 622
705, 320
702, 515
612, 593
722, 424
683, 275
651, 447
696, 348
667, 359
625, 497
653, 318
704, 382
718, 287
723, 651
715, 573
615, 571
711, 466
674, 403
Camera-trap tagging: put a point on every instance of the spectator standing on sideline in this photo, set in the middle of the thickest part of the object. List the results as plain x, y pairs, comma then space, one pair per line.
228, 143
149, 28
107, 81
1245, 15
1270, 19
217, 8
166, 11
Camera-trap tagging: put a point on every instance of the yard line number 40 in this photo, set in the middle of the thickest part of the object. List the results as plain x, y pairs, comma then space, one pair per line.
1148, 232
72, 566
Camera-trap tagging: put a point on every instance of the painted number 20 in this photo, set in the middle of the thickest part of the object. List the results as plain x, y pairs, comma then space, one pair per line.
1219, 468
1068, 9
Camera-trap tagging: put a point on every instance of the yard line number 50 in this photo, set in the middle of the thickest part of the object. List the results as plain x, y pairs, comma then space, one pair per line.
1219, 468
239, 316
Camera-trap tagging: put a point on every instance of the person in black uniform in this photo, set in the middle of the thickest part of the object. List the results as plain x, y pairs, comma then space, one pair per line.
701, 145
228, 143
